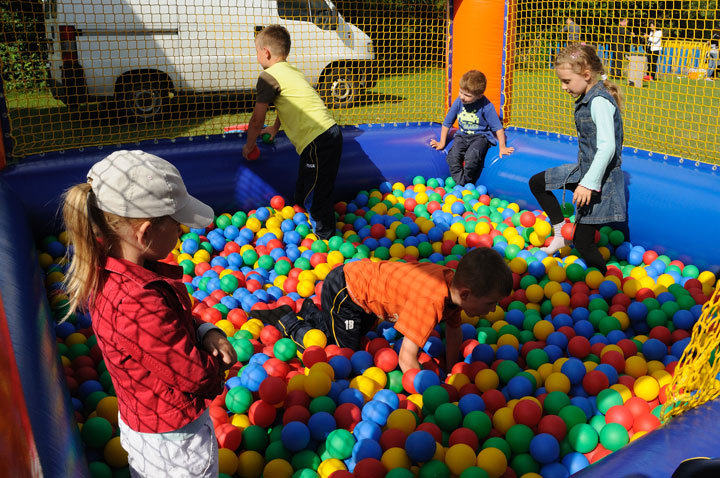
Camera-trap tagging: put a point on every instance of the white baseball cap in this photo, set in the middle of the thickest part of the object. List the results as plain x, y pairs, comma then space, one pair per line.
136, 184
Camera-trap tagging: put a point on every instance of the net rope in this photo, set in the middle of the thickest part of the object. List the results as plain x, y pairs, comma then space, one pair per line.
695, 380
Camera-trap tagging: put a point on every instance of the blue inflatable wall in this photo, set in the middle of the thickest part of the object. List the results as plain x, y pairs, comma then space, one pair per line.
673, 208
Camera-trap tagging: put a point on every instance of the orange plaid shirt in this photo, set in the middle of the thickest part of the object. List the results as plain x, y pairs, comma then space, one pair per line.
416, 296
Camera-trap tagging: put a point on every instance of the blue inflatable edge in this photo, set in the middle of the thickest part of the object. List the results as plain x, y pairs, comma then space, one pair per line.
671, 203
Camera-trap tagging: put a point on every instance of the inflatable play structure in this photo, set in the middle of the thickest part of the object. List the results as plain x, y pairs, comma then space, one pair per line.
673, 207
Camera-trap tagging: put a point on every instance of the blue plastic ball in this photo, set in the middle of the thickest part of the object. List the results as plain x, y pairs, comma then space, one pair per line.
544, 448
367, 448
376, 411
653, 349
320, 425
574, 370
388, 397
351, 395
575, 462
295, 436
367, 429
554, 470
420, 446
520, 386
483, 353
683, 319
425, 379
471, 402
341, 365
361, 361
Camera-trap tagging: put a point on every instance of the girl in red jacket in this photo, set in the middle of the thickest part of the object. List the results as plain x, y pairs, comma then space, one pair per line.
165, 366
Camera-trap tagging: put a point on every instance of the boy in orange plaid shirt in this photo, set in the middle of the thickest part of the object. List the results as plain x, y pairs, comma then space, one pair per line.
416, 296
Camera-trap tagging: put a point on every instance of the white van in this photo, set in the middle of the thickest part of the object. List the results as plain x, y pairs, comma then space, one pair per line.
142, 52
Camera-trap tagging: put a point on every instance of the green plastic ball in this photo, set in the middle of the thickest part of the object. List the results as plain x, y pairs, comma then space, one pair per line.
98, 469
474, 472
524, 463
519, 437
614, 436
307, 459
96, 432
339, 444
448, 416
607, 399
434, 469
284, 349
255, 438
572, 415
479, 422
583, 438
433, 397
238, 399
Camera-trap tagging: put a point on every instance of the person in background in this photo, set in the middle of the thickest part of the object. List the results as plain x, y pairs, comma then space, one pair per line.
619, 46
571, 30
712, 55
654, 47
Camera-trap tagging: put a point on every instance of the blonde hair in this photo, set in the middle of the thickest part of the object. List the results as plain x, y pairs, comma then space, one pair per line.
92, 233
474, 82
276, 38
583, 57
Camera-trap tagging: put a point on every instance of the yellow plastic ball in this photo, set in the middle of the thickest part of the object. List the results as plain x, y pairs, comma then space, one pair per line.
395, 458
402, 419
226, 326
439, 452
518, 265
486, 379
460, 457
317, 384
646, 388
508, 339
542, 329
278, 468
654, 366
305, 288
296, 382
227, 461
365, 385
552, 287
250, 464
377, 375
637, 435
630, 288
636, 366
458, 380
503, 419
557, 381
557, 365
74, 339
240, 420
335, 257
557, 274
115, 455
624, 392
397, 250
107, 408
323, 367
493, 461
314, 337
545, 370
662, 377
535, 293
542, 227
560, 299
707, 278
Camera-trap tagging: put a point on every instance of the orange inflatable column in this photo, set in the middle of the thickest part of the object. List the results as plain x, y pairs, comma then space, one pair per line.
476, 43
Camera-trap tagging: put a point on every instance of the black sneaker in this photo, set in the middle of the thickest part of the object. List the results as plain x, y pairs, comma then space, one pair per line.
308, 307
272, 316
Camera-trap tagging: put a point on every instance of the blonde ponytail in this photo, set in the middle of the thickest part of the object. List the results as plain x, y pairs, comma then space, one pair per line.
616, 93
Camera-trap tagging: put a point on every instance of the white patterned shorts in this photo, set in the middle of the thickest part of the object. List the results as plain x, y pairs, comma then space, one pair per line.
189, 452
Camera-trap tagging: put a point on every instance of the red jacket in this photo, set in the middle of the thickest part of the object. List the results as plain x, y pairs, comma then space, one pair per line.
145, 329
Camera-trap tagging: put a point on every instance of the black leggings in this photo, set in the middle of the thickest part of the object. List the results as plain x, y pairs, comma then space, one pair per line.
584, 234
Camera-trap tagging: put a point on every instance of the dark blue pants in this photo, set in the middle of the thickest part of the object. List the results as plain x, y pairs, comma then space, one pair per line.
319, 164
470, 150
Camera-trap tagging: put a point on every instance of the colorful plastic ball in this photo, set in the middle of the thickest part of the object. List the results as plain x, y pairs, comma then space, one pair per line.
647, 388
115, 455
595, 382
250, 464
493, 461
527, 412
98, 469
261, 413
520, 386
228, 436
295, 436
369, 468
361, 361
519, 437
556, 381
459, 457
645, 422
278, 467
376, 411
464, 435
366, 448
614, 436
544, 448
96, 432
620, 414
238, 399
320, 425
448, 416
284, 349
395, 458
227, 461
420, 446
425, 379
583, 438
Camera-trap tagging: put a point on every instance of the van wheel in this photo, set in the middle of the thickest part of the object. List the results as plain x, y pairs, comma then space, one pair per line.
339, 88
145, 98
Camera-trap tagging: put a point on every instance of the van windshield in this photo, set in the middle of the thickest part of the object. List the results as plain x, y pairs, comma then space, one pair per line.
321, 13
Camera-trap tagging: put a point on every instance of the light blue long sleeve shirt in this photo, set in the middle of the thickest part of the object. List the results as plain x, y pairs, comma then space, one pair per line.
601, 111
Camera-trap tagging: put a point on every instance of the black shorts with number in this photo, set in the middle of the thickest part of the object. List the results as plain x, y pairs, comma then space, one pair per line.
342, 320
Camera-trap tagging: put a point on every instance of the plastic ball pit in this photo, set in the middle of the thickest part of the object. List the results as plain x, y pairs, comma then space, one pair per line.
495, 402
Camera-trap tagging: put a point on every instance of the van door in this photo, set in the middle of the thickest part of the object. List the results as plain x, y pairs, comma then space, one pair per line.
218, 41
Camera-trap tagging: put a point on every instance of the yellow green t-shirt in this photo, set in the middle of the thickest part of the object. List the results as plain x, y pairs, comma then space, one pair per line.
302, 112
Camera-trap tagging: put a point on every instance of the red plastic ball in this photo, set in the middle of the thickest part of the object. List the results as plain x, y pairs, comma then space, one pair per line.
276, 367
340, 474
228, 436
627, 380
494, 400
527, 219
432, 429
598, 453
637, 406
277, 202
568, 231
269, 335
464, 435
313, 355
646, 422
615, 359
579, 347
297, 397
620, 414
661, 333
527, 412
594, 382
262, 414
392, 438
643, 294
369, 468
377, 344
628, 347
554, 425
296, 413
347, 415
649, 256
273, 390
579, 299
408, 379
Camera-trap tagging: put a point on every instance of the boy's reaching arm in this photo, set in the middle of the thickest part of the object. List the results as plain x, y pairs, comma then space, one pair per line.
501, 143
443, 139
407, 358
257, 120
453, 341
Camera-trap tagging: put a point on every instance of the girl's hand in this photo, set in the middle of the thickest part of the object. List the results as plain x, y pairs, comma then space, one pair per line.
437, 144
218, 346
581, 196
506, 151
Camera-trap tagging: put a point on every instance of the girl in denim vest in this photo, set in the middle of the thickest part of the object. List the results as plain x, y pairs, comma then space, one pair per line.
597, 180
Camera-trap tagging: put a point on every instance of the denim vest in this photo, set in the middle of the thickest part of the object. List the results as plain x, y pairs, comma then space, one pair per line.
609, 205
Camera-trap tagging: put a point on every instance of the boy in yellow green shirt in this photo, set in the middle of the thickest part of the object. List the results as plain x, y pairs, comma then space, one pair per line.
307, 123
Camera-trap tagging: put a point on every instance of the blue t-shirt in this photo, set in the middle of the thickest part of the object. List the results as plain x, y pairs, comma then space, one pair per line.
478, 117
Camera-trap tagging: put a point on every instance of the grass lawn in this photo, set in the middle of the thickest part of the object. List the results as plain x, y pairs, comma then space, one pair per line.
39, 123
674, 115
